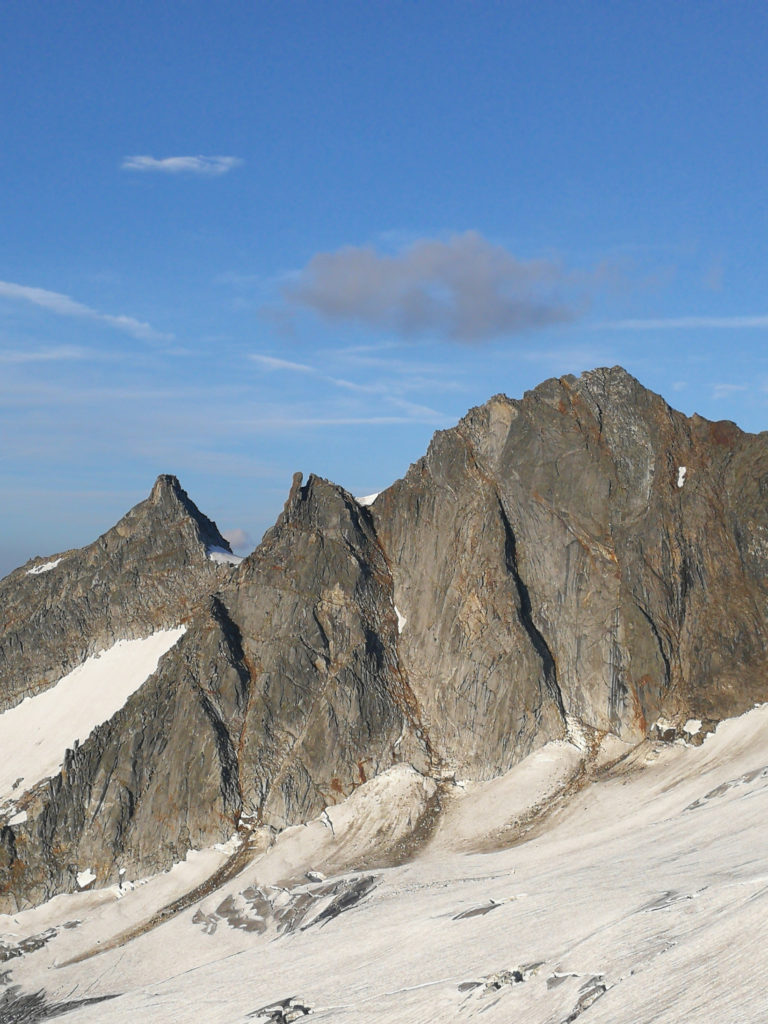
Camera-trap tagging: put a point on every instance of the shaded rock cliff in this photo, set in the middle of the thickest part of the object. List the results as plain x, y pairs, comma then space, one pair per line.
584, 558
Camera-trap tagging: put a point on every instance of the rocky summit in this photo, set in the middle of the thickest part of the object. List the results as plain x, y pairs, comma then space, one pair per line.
579, 563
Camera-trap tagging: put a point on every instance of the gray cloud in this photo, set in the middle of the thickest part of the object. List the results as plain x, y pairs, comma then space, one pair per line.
63, 305
205, 166
238, 538
465, 288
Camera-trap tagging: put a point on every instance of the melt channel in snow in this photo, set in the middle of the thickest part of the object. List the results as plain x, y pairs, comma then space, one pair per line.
35, 735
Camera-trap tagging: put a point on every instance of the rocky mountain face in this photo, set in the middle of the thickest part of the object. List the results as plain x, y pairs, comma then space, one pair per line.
582, 561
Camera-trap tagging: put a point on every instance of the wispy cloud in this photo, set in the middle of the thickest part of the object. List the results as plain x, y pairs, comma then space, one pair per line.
389, 391
272, 363
64, 353
727, 390
465, 288
203, 166
687, 322
284, 423
63, 305
574, 356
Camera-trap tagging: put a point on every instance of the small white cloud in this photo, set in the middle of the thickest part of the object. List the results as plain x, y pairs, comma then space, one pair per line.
204, 166
63, 305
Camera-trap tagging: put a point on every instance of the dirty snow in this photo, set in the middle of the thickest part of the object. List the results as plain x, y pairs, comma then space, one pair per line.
368, 499
222, 556
640, 896
232, 844
35, 735
681, 471
44, 567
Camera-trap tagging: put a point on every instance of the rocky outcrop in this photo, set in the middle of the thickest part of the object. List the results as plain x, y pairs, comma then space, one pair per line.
148, 572
583, 560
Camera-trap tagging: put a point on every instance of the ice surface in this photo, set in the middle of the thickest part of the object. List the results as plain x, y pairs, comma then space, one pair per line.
35, 735
44, 567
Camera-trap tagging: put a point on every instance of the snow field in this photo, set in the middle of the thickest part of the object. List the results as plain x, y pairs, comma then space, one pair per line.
642, 897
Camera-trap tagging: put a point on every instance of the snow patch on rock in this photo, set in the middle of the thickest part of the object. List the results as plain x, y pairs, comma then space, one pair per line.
368, 499
223, 557
401, 620
36, 570
36, 734
681, 471
576, 732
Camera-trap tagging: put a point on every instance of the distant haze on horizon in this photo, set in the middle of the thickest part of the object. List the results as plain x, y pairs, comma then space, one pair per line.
306, 236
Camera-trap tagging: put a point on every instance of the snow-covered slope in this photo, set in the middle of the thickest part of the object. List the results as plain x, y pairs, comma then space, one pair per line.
636, 892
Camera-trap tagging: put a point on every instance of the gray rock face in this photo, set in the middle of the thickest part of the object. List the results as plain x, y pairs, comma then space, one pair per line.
148, 572
547, 566
481, 671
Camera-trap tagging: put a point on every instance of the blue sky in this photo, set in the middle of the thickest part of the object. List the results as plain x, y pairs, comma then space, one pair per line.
244, 239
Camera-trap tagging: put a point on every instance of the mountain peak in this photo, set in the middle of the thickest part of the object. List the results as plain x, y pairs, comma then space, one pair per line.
170, 499
145, 573
167, 487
